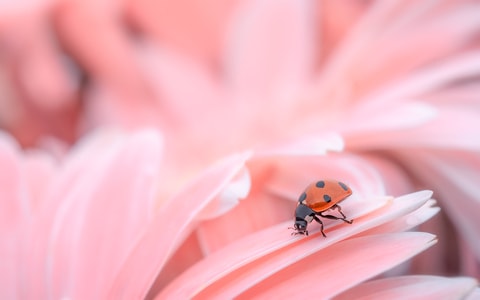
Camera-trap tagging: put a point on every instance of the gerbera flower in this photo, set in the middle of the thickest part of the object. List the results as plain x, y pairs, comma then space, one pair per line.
387, 85
289, 83
88, 229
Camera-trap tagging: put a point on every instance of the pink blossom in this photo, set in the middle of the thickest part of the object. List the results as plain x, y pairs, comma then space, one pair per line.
92, 226
59, 222
406, 111
254, 100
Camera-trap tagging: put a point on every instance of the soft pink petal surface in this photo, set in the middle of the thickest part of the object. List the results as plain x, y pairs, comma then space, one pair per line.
270, 46
277, 186
193, 27
217, 271
102, 211
229, 197
173, 223
293, 174
413, 287
20, 8
345, 266
442, 73
455, 176
16, 209
16, 206
474, 295
40, 171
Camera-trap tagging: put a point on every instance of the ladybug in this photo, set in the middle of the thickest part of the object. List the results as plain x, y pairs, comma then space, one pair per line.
317, 198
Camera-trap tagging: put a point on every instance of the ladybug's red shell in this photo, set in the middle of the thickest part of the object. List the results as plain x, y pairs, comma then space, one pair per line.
323, 194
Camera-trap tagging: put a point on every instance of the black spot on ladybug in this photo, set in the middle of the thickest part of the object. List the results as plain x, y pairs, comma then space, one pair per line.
327, 198
302, 197
320, 184
343, 185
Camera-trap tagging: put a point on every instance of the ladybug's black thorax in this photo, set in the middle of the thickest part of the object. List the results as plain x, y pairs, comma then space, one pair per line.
303, 212
303, 216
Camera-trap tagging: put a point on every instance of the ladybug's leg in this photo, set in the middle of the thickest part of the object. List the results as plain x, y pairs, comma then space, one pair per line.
343, 215
344, 219
321, 225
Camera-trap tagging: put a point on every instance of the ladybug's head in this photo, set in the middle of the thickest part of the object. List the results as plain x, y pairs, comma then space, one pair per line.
303, 216
300, 227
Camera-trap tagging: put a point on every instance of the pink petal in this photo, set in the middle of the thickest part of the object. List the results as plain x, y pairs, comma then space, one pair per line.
236, 190
174, 222
258, 211
337, 261
331, 80
20, 179
100, 231
40, 170
413, 209
454, 176
107, 197
9, 268
106, 107
474, 295
439, 131
19, 9
86, 149
464, 65
279, 180
389, 116
463, 95
408, 221
336, 19
270, 46
42, 73
307, 145
185, 256
398, 182
219, 269
458, 25
15, 208
170, 72
196, 28
111, 59
293, 174
15, 203
388, 21
412, 287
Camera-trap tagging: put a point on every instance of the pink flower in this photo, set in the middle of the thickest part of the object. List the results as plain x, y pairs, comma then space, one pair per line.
392, 89
88, 229
67, 229
368, 93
